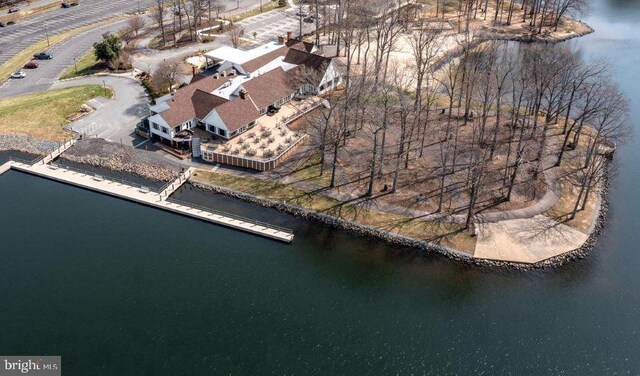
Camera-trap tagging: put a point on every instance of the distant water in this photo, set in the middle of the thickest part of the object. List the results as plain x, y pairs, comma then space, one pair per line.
121, 289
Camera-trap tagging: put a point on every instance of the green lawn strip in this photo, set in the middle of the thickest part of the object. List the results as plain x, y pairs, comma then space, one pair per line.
86, 65
44, 114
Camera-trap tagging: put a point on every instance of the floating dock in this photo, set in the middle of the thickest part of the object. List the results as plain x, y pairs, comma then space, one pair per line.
144, 196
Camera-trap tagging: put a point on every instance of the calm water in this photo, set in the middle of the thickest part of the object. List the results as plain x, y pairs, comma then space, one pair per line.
121, 289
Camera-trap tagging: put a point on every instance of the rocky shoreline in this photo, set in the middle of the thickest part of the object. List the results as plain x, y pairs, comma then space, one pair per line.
25, 144
117, 157
488, 35
89, 152
114, 163
400, 240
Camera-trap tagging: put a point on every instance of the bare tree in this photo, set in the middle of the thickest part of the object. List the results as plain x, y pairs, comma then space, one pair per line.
158, 13
136, 23
235, 36
165, 75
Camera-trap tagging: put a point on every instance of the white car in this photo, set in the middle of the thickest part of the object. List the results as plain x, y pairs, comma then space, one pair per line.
19, 74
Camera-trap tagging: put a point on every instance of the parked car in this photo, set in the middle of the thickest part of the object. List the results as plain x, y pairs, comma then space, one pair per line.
308, 20
31, 65
272, 110
19, 74
43, 56
14, 10
66, 4
2, 24
302, 13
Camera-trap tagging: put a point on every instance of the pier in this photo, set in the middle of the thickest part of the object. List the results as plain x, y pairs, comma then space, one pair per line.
142, 195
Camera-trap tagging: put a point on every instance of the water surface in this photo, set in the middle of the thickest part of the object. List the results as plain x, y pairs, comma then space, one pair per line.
121, 289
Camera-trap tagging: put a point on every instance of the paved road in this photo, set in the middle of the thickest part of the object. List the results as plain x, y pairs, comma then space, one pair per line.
26, 32
48, 71
114, 119
24, 6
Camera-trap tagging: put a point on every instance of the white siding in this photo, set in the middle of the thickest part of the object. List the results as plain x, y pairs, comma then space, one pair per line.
331, 78
159, 127
214, 120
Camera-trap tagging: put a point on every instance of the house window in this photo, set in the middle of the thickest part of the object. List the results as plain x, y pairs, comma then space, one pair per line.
211, 128
263, 111
177, 129
155, 126
222, 132
165, 130
252, 123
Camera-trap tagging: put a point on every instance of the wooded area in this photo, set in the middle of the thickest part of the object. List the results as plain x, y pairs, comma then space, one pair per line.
469, 134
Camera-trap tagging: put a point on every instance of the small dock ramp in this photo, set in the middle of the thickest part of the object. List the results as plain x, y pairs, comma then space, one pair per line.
173, 186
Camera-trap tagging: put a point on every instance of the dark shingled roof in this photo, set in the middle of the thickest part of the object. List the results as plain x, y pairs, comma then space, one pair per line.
309, 60
237, 113
257, 63
204, 102
270, 87
196, 101
193, 100
299, 45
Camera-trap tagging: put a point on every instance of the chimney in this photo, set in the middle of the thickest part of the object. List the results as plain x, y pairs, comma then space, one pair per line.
243, 94
280, 39
289, 35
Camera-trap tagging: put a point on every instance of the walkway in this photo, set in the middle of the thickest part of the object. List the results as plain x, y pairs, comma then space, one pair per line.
174, 185
526, 240
57, 152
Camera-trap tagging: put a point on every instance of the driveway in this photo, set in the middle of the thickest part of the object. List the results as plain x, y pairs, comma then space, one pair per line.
114, 119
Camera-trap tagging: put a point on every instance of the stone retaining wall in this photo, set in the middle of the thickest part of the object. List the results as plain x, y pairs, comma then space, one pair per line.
400, 240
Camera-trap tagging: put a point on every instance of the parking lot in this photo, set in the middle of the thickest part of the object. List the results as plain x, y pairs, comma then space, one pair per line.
268, 26
48, 71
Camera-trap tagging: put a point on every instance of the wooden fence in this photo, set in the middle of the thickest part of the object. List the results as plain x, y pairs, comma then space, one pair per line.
252, 163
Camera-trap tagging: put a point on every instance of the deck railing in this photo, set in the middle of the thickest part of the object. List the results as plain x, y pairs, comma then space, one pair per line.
229, 215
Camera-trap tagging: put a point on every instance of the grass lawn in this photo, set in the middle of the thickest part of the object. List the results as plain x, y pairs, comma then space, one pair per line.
17, 61
561, 210
446, 234
310, 172
86, 65
44, 114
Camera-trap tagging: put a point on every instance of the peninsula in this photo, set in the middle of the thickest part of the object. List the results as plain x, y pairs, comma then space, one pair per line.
461, 127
